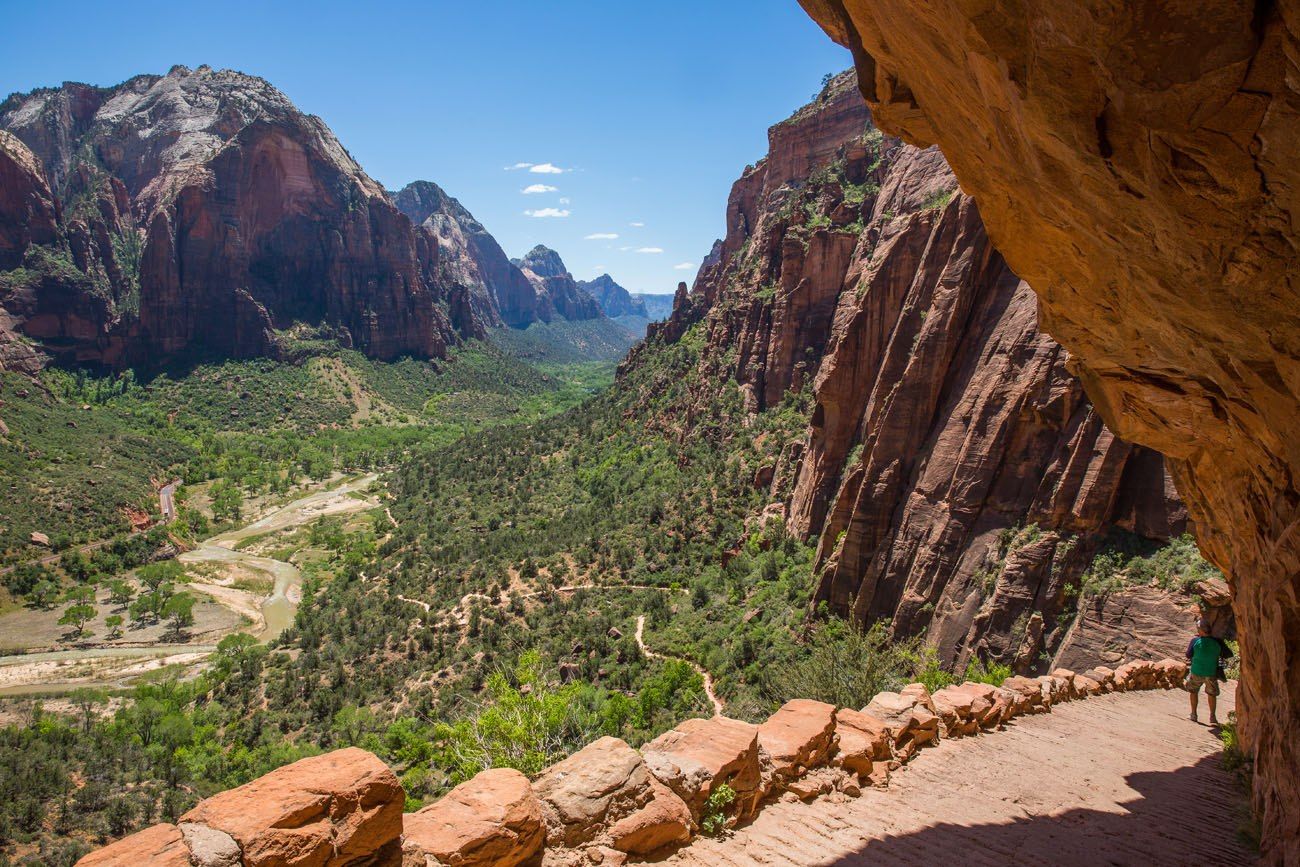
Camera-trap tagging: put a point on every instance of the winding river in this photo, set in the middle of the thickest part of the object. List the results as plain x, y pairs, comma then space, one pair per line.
110, 666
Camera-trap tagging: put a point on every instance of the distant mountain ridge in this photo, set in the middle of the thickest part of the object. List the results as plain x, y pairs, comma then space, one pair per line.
558, 294
200, 214
613, 298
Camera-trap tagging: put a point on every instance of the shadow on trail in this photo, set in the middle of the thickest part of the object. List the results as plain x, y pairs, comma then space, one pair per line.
1187, 816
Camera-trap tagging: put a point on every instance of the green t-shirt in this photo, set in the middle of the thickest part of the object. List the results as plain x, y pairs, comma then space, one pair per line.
1205, 656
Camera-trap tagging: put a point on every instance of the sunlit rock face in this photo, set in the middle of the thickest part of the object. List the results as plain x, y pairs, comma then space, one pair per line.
955, 478
234, 219
1136, 164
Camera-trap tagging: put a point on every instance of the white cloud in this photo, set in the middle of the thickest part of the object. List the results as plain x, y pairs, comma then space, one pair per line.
624, 249
538, 188
547, 212
601, 236
649, 249
637, 225
685, 266
546, 169
598, 269
518, 166
564, 200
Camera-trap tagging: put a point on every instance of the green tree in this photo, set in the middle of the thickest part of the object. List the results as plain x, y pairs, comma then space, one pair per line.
846, 665
78, 615
120, 593
155, 575
114, 624
179, 611
526, 724
43, 593
86, 700
227, 500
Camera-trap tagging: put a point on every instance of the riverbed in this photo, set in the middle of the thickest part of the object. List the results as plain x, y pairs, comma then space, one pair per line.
119, 666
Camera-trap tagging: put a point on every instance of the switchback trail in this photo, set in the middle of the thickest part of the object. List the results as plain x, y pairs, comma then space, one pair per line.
1122, 779
708, 680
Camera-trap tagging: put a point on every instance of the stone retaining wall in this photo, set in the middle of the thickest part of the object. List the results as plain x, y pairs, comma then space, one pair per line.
607, 803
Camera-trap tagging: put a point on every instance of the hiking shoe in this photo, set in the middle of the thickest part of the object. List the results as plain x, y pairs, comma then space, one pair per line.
1214, 721
1192, 717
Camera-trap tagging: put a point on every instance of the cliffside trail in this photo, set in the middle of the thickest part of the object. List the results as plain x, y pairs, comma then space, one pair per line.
1119, 779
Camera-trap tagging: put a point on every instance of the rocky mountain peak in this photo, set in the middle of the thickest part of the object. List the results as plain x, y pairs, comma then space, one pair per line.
250, 218
613, 299
544, 262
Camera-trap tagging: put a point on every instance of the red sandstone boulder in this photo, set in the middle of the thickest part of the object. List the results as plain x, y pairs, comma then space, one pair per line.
493, 819
1139, 674
1068, 676
341, 808
1029, 695
1170, 673
956, 710
919, 693
988, 707
863, 740
595, 787
1103, 676
798, 737
911, 724
159, 846
702, 754
665, 820
1086, 686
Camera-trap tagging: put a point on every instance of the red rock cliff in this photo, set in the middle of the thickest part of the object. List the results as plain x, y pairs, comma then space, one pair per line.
253, 219
1136, 164
954, 475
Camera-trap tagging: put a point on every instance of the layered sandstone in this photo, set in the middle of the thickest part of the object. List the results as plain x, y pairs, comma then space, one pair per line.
244, 218
1135, 163
955, 476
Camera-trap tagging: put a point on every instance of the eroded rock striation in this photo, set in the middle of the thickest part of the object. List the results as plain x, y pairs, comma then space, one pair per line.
1135, 163
954, 474
499, 292
200, 213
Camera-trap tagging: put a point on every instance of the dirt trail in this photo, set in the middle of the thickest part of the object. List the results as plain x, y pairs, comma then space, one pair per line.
1118, 779
708, 680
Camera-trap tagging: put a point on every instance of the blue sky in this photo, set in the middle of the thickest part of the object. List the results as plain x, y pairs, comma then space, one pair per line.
647, 111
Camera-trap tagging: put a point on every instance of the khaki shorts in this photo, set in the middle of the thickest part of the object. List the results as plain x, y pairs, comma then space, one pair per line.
1195, 682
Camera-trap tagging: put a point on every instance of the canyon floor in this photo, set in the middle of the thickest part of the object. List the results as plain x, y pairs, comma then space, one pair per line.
1123, 778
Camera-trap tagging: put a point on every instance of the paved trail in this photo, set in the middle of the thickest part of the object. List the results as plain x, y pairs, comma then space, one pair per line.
1122, 779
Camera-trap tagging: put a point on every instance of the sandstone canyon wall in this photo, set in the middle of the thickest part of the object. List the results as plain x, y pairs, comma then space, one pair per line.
200, 213
956, 478
1136, 164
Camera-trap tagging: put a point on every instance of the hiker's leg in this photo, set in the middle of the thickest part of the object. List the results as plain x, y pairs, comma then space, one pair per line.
1191, 694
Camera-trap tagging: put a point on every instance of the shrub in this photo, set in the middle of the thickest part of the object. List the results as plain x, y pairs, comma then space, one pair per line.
713, 820
979, 671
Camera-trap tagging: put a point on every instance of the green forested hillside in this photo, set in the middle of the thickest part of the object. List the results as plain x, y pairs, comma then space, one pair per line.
76, 449
535, 546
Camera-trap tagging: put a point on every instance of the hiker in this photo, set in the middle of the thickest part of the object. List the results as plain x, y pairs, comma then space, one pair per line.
1206, 653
